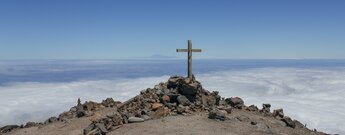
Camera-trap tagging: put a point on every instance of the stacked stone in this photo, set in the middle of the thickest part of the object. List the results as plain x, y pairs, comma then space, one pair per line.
178, 96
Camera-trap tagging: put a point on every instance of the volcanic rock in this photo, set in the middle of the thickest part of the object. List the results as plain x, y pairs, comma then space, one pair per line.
155, 106
289, 122
278, 113
266, 108
183, 100
173, 82
216, 114
161, 112
165, 99
30, 124
135, 120
235, 102
188, 89
145, 117
8, 128
109, 102
252, 108
298, 124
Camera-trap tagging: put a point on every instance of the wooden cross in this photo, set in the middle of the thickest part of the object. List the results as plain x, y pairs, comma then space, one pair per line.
189, 50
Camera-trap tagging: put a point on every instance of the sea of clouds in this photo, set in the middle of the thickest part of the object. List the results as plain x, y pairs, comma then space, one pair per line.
314, 96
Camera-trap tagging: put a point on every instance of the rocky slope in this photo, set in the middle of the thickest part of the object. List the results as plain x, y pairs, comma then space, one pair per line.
178, 106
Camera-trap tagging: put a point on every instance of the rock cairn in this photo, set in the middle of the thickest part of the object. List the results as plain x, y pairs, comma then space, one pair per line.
177, 96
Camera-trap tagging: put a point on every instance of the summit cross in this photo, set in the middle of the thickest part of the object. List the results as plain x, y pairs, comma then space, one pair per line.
190, 50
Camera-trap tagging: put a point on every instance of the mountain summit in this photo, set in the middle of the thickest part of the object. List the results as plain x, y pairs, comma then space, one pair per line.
179, 106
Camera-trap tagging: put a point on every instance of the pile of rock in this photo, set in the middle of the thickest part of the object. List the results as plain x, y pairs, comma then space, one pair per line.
81, 110
177, 96
277, 114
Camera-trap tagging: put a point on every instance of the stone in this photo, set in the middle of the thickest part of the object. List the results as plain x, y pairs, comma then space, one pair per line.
209, 100
253, 123
66, 115
52, 119
278, 113
88, 129
78, 102
80, 113
30, 124
235, 102
73, 109
253, 108
101, 127
288, 121
188, 89
183, 100
8, 128
228, 110
223, 111
266, 108
145, 117
135, 120
173, 97
95, 118
171, 105
92, 106
173, 81
298, 124
216, 114
155, 106
161, 112
165, 99
180, 109
109, 102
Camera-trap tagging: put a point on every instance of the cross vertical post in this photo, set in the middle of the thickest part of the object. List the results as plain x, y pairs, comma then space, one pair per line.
189, 50
190, 59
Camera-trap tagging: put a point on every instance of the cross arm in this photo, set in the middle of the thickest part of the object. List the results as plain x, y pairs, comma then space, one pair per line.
196, 50
181, 50
186, 50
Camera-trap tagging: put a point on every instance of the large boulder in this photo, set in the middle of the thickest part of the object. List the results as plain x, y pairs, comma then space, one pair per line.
173, 81
188, 89
235, 102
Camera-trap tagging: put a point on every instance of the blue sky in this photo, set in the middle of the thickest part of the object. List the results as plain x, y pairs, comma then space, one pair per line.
251, 29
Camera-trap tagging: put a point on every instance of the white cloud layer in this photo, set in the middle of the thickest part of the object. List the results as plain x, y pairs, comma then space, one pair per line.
313, 96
